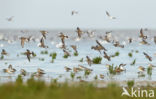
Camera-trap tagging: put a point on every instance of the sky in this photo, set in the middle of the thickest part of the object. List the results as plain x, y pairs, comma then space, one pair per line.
56, 14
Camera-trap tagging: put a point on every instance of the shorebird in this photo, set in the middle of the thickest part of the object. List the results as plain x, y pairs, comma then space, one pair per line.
23, 40
141, 69
111, 17
74, 48
39, 73
130, 40
42, 43
4, 52
106, 56
117, 44
100, 45
144, 42
44, 33
28, 53
98, 48
9, 69
102, 76
147, 56
142, 35
66, 52
76, 69
62, 36
85, 68
151, 66
79, 32
67, 68
10, 18
23, 72
89, 61
74, 12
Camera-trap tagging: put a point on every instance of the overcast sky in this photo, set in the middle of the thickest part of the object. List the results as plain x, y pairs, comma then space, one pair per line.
57, 13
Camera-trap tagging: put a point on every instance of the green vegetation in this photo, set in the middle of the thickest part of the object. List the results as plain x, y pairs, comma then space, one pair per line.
2, 57
41, 59
53, 55
81, 60
72, 75
133, 63
117, 53
112, 69
76, 54
37, 89
130, 54
97, 60
65, 56
130, 83
149, 71
44, 52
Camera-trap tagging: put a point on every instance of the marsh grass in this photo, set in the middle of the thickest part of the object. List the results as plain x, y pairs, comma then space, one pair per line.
65, 56
130, 83
38, 89
81, 60
2, 57
112, 69
133, 62
44, 52
76, 54
149, 71
97, 60
130, 54
53, 55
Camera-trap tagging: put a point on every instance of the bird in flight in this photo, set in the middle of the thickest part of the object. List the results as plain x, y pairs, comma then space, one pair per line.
10, 18
111, 17
74, 12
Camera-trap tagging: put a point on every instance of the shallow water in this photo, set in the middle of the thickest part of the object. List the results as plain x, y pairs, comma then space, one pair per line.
56, 69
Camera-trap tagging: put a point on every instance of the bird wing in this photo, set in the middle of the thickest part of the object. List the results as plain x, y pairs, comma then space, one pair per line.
107, 14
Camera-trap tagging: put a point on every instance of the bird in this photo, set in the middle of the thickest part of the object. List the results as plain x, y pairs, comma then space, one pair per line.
106, 56
144, 42
101, 76
62, 36
74, 12
42, 43
39, 73
23, 72
147, 56
89, 61
117, 44
44, 33
28, 53
98, 48
10, 18
111, 17
130, 40
23, 40
4, 52
141, 69
85, 68
9, 69
142, 35
100, 45
66, 53
79, 32
74, 48
67, 68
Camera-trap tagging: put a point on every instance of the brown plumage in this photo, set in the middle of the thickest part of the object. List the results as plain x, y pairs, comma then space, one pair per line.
98, 48
74, 48
42, 43
44, 33
142, 35
89, 61
23, 40
66, 52
4, 52
106, 56
28, 53
147, 56
117, 44
100, 45
79, 32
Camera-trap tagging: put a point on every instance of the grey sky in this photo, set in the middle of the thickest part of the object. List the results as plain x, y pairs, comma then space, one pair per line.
57, 13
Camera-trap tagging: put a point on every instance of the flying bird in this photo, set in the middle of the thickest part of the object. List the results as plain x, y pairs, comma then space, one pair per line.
10, 18
147, 56
44, 33
74, 12
111, 17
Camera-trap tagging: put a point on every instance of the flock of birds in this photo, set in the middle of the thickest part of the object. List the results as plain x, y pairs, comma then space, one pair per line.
99, 47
